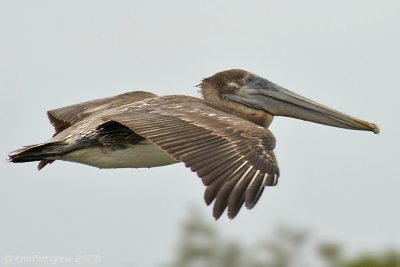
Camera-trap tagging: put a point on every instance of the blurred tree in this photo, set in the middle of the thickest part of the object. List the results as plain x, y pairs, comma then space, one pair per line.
200, 246
331, 253
285, 249
230, 255
389, 259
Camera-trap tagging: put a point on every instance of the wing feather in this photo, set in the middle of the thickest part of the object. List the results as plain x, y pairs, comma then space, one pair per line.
233, 157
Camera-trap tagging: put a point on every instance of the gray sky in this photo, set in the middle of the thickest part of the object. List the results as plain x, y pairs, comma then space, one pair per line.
342, 185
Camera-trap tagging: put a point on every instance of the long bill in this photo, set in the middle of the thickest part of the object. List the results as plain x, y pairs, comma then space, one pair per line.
278, 101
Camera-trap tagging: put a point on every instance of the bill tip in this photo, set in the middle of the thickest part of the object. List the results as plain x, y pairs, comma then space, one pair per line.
375, 129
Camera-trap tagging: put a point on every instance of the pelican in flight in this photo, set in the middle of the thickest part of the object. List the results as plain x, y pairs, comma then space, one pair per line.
223, 137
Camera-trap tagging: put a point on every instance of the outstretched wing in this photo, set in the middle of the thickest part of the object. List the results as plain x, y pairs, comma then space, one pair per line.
63, 118
232, 156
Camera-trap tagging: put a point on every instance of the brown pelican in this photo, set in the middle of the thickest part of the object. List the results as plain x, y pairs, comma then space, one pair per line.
223, 138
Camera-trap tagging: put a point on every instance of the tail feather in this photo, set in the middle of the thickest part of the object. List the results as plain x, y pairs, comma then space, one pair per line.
45, 153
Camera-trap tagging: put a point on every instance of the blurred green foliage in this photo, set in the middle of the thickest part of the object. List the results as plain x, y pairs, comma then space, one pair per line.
201, 246
388, 259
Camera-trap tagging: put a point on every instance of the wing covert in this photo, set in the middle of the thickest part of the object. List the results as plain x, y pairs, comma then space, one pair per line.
62, 118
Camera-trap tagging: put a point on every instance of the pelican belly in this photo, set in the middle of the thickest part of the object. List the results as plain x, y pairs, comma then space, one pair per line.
141, 155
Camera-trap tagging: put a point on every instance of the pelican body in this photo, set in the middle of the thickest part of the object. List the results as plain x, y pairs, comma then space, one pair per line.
223, 137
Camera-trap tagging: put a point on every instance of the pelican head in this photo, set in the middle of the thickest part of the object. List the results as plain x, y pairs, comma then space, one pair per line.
257, 99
